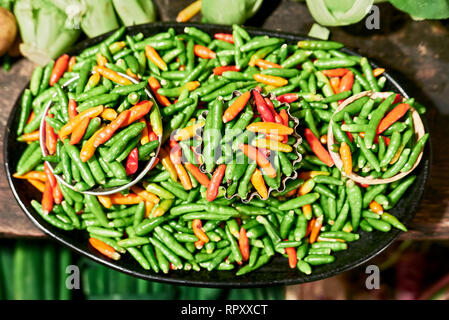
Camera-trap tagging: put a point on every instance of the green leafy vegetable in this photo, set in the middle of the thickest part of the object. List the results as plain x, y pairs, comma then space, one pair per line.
339, 13
424, 9
319, 32
229, 11
42, 40
133, 12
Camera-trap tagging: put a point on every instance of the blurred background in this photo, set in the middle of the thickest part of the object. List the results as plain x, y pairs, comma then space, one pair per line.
408, 37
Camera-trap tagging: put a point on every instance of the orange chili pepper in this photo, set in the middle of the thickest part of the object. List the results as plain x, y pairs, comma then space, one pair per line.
259, 183
47, 198
310, 226
292, 258
105, 201
148, 208
244, 244
197, 227
104, 249
30, 137
346, 82
154, 57
50, 176
335, 84
346, 158
316, 227
262, 161
203, 52
284, 117
378, 71
88, 149
59, 68
189, 12
304, 175
71, 63
269, 128
112, 75
376, 207
57, 194
220, 69
31, 117
155, 85
270, 80
79, 131
215, 181
234, 109
106, 133
130, 198
264, 64
73, 123
34, 175
291, 193
199, 244
39, 185
132, 74
137, 112
51, 139
72, 109
144, 194
201, 177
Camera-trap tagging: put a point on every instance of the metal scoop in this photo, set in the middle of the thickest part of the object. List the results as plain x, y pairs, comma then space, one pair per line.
100, 191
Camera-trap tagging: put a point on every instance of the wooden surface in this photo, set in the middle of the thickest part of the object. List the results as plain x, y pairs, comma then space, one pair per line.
417, 51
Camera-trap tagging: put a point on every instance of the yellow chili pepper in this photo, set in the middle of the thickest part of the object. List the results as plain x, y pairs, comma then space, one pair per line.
154, 57
101, 60
148, 208
109, 114
269, 128
88, 149
112, 75
132, 75
188, 132
189, 12
183, 176
168, 164
259, 184
105, 201
117, 46
270, 80
305, 175
306, 187
39, 185
272, 145
346, 158
93, 81
192, 85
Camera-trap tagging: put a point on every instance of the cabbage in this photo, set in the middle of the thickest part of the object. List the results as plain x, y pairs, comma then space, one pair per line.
229, 11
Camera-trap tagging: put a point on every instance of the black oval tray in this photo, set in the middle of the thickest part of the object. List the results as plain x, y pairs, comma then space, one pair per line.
277, 272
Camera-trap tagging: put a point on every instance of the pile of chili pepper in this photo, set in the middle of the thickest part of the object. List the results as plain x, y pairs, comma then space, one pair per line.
373, 142
178, 217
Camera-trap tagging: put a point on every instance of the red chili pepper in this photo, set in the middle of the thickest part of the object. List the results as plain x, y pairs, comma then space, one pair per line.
318, 148
339, 72
106, 133
175, 152
47, 198
132, 162
394, 115
397, 99
51, 139
292, 258
287, 97
219, 70
224, 37
215, 181
264, 110
59, 69
258, 88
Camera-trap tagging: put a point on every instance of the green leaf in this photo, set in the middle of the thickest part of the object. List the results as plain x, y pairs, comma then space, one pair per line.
339, 13
424, 9
237, 11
